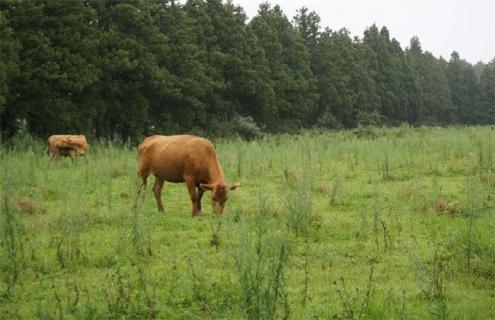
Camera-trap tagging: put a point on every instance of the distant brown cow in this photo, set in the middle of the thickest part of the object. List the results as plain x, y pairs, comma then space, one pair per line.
66, 146
184, 158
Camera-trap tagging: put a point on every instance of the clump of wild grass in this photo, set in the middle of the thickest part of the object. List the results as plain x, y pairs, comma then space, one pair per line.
215, 225
67, 299
475, 207
299, 206
200, 288
28, 206
117, 294
261, 263
434, 276
335, 190
385, 167
67, 242
485, 158
353, 301
11, 238
130, 294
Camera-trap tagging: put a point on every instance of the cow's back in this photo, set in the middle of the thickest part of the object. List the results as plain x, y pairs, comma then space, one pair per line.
170, 157
80, 140
62, 141
57, 139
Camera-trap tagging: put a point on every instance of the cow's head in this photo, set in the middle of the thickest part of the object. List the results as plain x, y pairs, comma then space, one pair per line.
81, 151
219, 193
79, 147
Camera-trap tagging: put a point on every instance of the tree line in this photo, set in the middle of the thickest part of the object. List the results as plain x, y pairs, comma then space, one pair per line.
127, 68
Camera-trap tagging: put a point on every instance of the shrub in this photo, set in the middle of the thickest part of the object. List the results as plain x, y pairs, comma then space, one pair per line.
328, 121
246, 127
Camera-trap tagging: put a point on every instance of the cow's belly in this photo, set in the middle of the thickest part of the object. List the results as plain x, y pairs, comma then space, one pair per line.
170, 173
174, 179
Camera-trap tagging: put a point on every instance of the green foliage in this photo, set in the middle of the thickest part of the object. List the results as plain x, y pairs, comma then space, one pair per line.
289, 64
487, 92
433, 94
372, 119
127, 69
9, 47
246, 128
391, 74
328, 121
464, 87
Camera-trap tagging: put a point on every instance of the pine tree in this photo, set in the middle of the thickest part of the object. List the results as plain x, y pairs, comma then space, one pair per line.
289, 63
240, 61
433, 91
464, 87
9, 47
391, 75
487, 92
129, 50
55, 41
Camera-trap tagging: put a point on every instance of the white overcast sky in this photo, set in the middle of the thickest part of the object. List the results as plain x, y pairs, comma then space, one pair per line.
442, 26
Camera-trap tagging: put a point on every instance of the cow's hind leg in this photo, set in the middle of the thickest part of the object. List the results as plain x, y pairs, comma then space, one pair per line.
140, 185
50, 154
143, 172
144, 177
56, 153
157, 190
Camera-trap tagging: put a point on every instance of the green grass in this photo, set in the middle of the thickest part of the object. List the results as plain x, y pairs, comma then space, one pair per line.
371, 224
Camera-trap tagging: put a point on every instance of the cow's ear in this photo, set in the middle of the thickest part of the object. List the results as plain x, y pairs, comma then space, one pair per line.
234, 186
206, 186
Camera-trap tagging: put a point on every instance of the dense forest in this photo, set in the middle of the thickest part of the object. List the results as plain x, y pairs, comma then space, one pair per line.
128, 68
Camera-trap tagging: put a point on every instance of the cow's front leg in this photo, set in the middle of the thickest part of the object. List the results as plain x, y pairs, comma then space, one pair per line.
200, 195
72, 154
191, 187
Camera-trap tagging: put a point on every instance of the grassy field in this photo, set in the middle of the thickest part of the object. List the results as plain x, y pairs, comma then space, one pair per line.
371, 224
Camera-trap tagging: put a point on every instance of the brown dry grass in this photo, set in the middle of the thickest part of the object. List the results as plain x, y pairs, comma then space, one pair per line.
28, 206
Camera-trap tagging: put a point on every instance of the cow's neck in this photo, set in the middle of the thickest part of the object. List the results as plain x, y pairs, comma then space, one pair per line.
216, 174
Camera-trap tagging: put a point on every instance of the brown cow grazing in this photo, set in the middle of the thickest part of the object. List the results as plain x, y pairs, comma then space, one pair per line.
184, 158
66, 145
